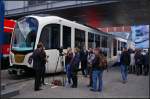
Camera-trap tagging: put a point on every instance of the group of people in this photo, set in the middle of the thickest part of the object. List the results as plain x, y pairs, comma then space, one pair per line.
136, 61
91, 64
139, 62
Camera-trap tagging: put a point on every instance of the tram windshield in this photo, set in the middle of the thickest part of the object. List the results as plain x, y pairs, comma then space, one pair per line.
24, 36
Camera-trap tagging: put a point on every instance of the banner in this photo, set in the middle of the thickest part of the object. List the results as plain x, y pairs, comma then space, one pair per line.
140, 36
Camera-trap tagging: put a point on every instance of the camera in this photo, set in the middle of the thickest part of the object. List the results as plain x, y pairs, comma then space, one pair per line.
60, 51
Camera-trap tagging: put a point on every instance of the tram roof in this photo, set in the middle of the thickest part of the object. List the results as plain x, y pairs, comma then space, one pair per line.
44, 17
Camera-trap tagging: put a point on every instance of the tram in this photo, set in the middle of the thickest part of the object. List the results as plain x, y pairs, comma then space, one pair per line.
53, 32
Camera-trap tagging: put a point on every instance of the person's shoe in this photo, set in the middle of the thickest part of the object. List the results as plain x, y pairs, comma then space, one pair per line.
124, 81
99, 90
88, 85
38, 89
93, 90
45, 83
72, 86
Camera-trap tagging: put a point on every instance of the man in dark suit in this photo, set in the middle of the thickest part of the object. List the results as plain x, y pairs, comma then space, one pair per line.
38, 59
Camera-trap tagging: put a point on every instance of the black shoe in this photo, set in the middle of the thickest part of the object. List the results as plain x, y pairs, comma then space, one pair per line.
73, 86
89, 85
99, 90
38, 89
93, 90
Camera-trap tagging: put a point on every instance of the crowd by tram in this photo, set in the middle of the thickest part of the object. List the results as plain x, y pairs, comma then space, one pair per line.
54, 32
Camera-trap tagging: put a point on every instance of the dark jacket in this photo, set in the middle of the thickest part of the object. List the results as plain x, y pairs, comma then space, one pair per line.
38, 59
83, 55
146, 59
68, 58
95, 63
139, 58
75, 63
125, 58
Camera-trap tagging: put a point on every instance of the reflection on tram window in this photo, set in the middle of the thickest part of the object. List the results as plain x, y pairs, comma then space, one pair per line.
123, 45
79, 38
50, 36
66, 37
24, 35
90, 40
97, 40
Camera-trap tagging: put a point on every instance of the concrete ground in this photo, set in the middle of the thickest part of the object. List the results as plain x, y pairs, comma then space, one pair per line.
136, 87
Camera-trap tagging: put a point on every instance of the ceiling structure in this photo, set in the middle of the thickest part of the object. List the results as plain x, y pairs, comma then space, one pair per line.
122, 13
125, 13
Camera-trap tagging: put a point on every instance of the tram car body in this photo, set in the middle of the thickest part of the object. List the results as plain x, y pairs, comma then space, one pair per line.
53, 32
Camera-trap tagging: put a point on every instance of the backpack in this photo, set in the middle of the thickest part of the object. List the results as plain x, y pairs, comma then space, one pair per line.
103, 62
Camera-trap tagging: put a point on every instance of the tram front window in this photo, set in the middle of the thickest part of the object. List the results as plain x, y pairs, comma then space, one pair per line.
25, 34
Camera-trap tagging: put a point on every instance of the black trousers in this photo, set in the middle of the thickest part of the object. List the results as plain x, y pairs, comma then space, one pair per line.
84, 67
139, 69
38, 75
74, 80
146, 69
43, 76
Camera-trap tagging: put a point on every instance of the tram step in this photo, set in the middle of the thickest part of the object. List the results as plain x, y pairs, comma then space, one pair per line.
7, 93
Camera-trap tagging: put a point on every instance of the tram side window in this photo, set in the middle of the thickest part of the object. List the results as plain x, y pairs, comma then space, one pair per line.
79, 38
97, 40
123, 45
104, 41
114, 47
66, 37
90, 40
50, 36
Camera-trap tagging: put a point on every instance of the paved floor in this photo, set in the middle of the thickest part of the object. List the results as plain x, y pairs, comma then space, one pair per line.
137, 87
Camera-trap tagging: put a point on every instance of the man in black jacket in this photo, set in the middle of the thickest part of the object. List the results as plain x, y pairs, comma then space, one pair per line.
125, 61
139, 60
38, 59
83, 57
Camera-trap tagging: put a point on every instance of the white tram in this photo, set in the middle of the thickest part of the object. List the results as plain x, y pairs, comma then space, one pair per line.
54, 32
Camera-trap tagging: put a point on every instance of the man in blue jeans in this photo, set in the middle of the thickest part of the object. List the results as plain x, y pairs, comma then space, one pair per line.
125, 61
97, 75
97, 72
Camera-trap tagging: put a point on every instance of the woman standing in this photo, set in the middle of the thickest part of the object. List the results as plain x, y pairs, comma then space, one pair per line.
68, 58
